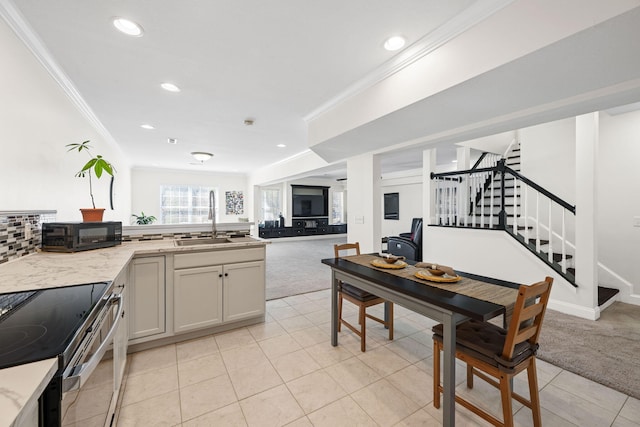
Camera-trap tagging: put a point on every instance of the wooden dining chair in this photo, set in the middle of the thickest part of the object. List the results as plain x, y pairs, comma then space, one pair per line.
360, 298
497, 355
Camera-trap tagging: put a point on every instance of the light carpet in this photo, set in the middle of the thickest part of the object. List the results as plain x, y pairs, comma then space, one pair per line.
294, 267
606, 350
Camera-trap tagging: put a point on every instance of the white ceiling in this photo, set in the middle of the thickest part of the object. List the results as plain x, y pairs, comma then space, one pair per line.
270, 61
278, 62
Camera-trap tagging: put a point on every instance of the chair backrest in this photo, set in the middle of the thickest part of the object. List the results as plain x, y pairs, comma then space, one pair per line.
414, 224
417, 233
337, 249
528, 314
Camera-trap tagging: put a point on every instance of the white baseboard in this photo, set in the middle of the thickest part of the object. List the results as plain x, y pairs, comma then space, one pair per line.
575, 310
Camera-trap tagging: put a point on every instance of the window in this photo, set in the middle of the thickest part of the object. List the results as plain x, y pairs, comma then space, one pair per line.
185, 204
338, 211
271, 207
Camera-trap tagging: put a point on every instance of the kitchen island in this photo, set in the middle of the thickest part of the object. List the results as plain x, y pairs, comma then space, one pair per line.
42, 270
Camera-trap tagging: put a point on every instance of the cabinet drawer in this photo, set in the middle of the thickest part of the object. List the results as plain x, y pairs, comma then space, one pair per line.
214, 257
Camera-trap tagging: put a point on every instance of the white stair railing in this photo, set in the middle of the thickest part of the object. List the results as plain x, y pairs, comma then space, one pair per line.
461, 200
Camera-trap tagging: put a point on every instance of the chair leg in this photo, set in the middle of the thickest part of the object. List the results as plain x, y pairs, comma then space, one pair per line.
436, 375
390, 325
534, 397
363, 326
469, 376
339, 312
505, 394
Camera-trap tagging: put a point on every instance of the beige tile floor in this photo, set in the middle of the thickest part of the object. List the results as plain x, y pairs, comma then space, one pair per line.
286, 373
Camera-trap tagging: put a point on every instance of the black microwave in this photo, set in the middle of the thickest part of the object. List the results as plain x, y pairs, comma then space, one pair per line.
80, 236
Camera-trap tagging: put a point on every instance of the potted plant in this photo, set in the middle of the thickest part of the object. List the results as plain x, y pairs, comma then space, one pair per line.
98, 165
143, 219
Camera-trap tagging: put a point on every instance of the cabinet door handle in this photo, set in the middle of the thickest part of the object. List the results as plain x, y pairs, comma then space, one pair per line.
220, 275
226, 274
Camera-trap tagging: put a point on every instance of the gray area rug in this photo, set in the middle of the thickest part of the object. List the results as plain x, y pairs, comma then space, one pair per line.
606, 350
294, 267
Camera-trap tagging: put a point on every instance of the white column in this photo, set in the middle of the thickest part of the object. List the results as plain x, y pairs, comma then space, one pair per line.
257, 208
364, 199
463, 155
428, 199
586, 257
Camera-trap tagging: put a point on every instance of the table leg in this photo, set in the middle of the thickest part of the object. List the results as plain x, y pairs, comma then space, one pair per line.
334, 309
449, 372
386, 314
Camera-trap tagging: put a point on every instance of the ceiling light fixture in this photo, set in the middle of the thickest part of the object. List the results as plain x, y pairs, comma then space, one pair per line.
128, 27
172, 140
201, 156
280, 145
248, 122
147, 126
394, 43
170, 87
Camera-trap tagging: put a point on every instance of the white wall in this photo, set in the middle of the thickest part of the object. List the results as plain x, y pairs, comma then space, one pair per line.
145, 189
548, 156
37, 121
409, 189
619, 199
496, 254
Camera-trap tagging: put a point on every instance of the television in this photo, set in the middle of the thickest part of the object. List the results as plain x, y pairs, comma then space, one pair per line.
309, 201
391, 206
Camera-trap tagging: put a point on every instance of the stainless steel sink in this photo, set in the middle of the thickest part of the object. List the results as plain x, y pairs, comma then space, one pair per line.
209, 241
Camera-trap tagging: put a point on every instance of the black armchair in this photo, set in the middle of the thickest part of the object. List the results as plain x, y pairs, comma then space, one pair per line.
410, 248
414, 225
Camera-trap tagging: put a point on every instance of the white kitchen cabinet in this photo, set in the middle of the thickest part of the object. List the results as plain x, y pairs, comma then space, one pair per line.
217, 287
147, 297
244, 290
197, 298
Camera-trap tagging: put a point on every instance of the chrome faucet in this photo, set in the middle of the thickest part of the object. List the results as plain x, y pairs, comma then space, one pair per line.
212, 214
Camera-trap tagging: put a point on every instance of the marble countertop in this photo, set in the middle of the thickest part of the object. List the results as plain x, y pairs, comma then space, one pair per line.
54, 269
20, 385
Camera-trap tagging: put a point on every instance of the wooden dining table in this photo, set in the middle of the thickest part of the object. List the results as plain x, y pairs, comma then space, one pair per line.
472, 297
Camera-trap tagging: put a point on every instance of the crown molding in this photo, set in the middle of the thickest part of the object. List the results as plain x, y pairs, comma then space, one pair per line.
32, 41
474, 14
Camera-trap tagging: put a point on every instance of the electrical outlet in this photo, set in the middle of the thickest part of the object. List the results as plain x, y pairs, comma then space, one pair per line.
28, 233
636, 221
359, 220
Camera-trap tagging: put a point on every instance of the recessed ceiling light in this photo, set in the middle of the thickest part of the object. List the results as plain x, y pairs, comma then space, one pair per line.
170, 87
248, 122
172, 140
394, 43
128, 27
454, 161
280, 145
147, 126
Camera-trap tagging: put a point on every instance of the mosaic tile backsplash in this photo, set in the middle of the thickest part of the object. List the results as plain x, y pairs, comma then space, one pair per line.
177, 235
13, 234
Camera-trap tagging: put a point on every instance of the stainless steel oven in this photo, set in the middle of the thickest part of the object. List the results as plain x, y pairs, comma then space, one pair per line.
91, 382
84, 327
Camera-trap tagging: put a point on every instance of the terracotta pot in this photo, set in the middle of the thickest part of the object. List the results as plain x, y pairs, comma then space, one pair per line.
92, 215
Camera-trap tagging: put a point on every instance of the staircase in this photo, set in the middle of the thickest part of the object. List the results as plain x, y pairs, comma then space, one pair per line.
493, 194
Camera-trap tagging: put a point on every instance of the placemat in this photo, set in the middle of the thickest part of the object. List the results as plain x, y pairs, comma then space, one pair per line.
472, 288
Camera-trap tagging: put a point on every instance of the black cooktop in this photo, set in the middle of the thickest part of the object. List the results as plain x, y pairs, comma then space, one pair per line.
37, 325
